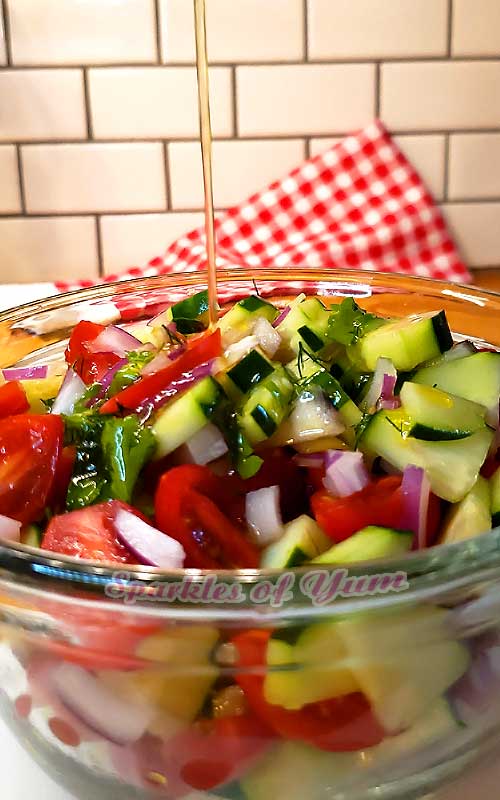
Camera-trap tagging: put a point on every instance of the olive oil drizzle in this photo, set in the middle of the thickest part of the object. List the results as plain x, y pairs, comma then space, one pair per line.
206, 153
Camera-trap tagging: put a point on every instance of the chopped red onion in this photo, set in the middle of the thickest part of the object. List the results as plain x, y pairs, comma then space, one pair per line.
158, 362
345, 472
204, 447
115, 340
310, 460
149, 545
236, 351
10, 529
121, 721
382, 384
263, 515
389, 405
313, 417
268, 338
25, 373
72, 389
416, 490
281, 316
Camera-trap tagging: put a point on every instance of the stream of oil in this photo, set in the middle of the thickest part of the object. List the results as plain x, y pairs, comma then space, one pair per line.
206, 152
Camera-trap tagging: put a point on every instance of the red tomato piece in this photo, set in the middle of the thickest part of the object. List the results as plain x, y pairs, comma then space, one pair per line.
30, 446
187, 507
150, 387
13, 399
88, 533
379, 503
91, 367
64, 470
341, 724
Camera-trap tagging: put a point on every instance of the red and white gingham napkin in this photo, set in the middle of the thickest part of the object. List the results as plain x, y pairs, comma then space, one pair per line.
358, 205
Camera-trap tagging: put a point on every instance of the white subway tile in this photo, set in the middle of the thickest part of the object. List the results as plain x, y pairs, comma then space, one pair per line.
474, 166
134, 239
240, 169
425, 153
156, 102
48, 249
246, 30
441, 95
377, 28
304, 99
10, 201
77, 178
476, 228
476, 28
42, 104
72, 32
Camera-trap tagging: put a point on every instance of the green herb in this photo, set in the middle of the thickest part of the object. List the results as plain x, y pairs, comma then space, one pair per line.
348, 322
110, 453
246, 462
130, 371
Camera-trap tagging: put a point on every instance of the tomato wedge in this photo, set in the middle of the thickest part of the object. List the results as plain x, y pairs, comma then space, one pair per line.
187, 507
150, 387
13, 399
57, 499
30, 447
88, 533
91, 367
341, 724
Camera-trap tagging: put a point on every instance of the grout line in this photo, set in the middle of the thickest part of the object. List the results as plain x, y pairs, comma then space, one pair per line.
157, 22
100, 257
378, 83
305, 17
450, 28
88, 105
234, 98
446, 176
279, 63
6, 29
168, 180
22, 191
308, 147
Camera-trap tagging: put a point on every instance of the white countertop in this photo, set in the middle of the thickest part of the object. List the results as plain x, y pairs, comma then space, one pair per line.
22, 779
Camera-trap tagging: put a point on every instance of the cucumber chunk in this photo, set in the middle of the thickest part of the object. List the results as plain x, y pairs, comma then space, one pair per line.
251, 370
314, 668
306, 324
190, 315
404, 661
407, 342
451, 466
266, 406
239, 320
185, 416
302, 540
495, 498
436, 415
470, 517
348, 410
475, 378
368, 544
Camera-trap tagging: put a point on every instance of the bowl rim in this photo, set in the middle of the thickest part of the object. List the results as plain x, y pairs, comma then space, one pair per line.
438, 569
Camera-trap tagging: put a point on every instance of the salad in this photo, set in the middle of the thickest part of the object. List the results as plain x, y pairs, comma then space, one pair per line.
282, 436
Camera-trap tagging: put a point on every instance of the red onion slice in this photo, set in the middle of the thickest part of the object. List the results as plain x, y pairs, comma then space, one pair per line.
160, 361
181, 384
115, 719
115, 340
204, 447
382, 385
268, 338
416, 490
10, 529
25, 373
263, 515
310, 460
281, 316
72, 389
345, 472
149, 545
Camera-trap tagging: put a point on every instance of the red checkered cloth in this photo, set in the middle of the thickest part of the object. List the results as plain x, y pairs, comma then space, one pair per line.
359, 205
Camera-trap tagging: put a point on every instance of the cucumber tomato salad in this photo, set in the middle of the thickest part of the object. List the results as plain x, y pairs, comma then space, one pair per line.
283, 436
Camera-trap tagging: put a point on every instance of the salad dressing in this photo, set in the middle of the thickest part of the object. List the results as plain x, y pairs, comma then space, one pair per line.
206, 153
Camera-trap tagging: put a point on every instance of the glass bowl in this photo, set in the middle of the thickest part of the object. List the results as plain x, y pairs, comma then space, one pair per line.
141, 684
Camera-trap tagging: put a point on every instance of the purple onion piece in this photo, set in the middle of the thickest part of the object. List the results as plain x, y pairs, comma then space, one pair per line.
25, 373
115, 340
149, 545
345, 473
415, 489
281, 316
310, 460
72, 389
181, 384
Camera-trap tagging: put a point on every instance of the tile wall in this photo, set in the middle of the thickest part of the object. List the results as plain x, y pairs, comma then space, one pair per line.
99, 164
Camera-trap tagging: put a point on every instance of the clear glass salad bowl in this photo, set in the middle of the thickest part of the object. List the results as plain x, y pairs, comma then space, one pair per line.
129, 684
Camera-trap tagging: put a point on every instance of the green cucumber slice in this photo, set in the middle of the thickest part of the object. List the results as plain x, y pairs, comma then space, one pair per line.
266, 406
302, 540
368, 544
185, 416
251, 370
437, 415
475, 378
190, 315
470, 517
